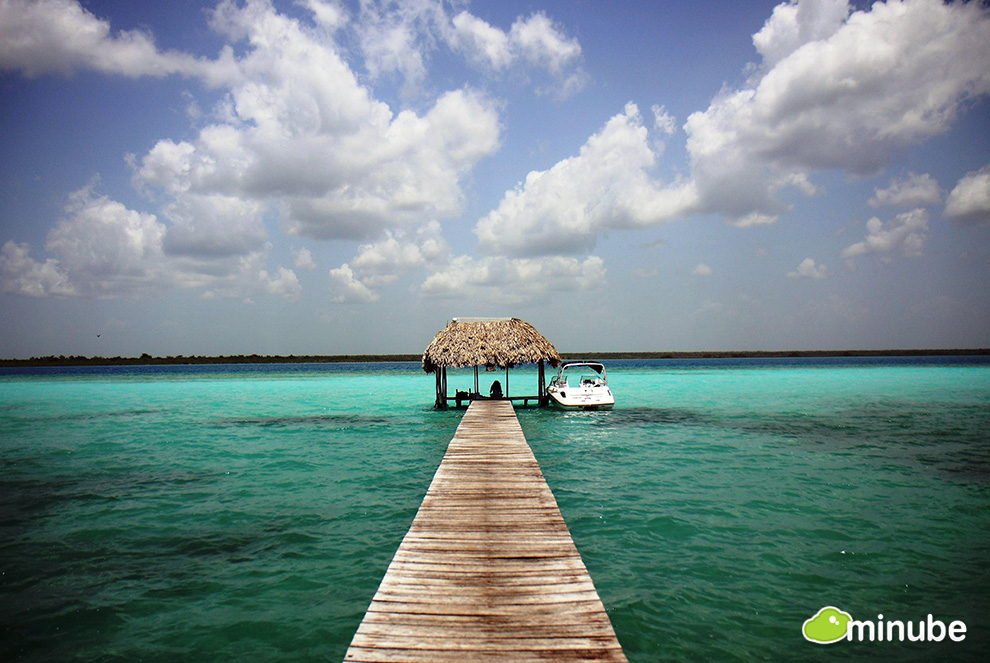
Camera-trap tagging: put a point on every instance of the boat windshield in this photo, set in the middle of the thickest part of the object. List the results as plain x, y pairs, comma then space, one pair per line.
582, 369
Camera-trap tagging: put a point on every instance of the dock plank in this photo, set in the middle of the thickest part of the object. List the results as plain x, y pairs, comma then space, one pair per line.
488, 570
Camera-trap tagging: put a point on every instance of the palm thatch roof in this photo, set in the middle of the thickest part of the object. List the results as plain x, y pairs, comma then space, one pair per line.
500, 342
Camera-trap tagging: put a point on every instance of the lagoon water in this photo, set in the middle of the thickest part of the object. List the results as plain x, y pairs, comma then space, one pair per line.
247, 513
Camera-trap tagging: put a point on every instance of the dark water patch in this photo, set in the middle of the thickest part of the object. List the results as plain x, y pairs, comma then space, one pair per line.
335, 421
649, 416
75, 417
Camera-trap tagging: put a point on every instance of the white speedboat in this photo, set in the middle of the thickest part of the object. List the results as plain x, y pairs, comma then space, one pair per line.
581, 386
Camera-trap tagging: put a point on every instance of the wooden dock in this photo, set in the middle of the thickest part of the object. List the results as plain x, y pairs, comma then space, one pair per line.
488, 570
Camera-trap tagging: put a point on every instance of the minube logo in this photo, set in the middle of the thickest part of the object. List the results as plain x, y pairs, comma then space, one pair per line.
830, 625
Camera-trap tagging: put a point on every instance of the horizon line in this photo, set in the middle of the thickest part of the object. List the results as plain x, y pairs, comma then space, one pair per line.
146, 359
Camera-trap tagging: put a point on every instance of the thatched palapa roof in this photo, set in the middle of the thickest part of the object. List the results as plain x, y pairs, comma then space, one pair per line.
501, 342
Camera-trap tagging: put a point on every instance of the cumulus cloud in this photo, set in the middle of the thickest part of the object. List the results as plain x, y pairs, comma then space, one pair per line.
606, 186
242, 277
663, 121
516, 280
540, 42
346, 287
912, 191
836, 94
341, 163
835, 90
794, 24
304, 260
399, 38
60, 36
104, 249
483, 43
328, 15
969, 201
22, 275
907, 232
808, 269
701, 269
296, 136
300, 129
214, 225
380, 263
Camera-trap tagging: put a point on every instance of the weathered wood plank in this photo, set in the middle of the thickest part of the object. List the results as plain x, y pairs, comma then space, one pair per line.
488, 569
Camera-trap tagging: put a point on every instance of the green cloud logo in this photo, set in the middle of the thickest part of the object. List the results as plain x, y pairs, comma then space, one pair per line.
827, 626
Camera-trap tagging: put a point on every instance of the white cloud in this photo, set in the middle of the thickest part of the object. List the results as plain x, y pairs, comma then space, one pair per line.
239, 277
384, 259
300, 129
808, 270
912, 191
535, 40
754, 219
214, 225
796, 23
328, 15
22, 275
663, 121
59, 36
482, 42
514, 280
380, 263
284, 283
304, 260
542, 43
837, 95
836, 91
701, 269
346, 287
969, 201
606, 186
395, 37
907, 232
104, 249
399, 37
296, 135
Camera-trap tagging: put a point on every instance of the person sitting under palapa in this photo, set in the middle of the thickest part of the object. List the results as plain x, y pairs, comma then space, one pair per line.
496, 391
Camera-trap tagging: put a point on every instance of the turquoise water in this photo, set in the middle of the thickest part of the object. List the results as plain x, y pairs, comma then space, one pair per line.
248, 514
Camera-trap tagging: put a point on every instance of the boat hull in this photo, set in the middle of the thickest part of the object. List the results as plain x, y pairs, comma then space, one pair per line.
581, 401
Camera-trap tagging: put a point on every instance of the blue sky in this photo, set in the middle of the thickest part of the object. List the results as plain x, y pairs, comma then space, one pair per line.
344, 177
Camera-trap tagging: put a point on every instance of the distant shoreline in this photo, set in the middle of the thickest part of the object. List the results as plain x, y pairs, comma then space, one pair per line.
148, 360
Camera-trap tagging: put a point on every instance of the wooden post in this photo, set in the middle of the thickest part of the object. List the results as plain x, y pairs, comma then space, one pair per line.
542, 386
441, 387
477, 386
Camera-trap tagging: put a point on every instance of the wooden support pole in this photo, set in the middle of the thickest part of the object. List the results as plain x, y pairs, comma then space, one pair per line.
438, 402
542, 384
